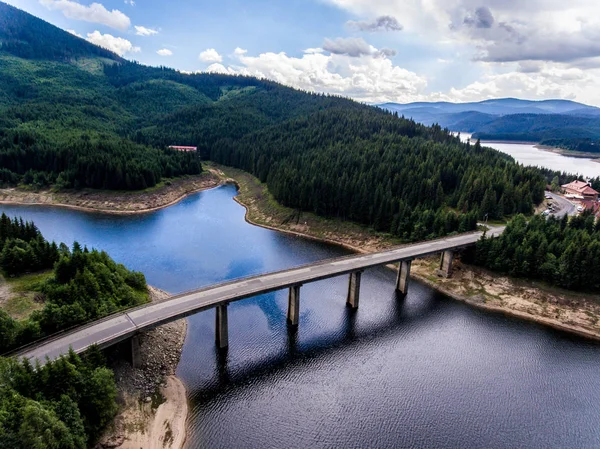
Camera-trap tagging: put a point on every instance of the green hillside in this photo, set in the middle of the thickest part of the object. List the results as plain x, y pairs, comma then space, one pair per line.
78, 116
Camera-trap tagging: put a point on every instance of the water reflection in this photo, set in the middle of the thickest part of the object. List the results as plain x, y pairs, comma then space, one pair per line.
423, 371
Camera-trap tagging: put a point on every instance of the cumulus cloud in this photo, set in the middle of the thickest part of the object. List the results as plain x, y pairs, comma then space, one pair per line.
381, 23
164, 52
550, 81
498, 31
481, 18
95, 13
130, 2
364, 77
239, 51
74, 33
211, 55
116, 44
143, 31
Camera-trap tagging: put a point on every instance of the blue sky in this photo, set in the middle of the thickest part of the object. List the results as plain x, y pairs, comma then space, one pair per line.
370, 50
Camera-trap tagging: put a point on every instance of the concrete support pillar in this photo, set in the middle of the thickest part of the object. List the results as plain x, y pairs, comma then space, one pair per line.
446, 264
354, 289
221, 331
293, 312
403, 276
136, 355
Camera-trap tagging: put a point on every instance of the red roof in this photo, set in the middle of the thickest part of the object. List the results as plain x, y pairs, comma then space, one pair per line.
580, 187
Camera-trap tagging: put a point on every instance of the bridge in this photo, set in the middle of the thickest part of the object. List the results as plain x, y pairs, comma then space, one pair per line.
129, 324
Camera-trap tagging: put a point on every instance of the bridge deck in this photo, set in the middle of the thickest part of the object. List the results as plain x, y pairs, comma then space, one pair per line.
115, 328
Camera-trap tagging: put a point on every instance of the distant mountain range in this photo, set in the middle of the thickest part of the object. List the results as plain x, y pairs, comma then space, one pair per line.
555, 122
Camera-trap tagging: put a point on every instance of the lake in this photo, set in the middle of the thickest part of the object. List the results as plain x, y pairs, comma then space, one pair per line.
424, 371
529, 154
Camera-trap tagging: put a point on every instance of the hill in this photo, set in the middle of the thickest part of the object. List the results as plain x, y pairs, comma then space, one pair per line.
73, 115
553, 122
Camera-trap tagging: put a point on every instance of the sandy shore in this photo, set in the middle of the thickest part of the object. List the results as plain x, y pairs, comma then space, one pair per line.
153, 401
111, 202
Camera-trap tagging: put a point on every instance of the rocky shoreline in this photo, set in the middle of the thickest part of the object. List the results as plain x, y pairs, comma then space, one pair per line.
153, 401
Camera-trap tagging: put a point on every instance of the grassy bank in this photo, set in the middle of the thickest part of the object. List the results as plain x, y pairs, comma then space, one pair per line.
19, 296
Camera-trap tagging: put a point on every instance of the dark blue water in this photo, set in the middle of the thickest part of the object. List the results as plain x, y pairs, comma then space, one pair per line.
424, 371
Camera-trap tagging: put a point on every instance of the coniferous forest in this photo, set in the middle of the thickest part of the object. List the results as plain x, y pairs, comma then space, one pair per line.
67, 402
561, 252
102, 122
85, 284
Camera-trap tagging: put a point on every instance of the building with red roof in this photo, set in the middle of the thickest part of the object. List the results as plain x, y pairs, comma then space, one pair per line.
581, 189
181, 148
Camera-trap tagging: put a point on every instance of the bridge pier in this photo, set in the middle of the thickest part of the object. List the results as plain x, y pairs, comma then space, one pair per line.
354, 289
403, 277
136, 355
446, 264
293, 312
221, 331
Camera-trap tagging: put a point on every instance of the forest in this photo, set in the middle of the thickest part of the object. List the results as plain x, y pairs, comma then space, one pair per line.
395, 175
562, 252
64, 404
85, 284
102, 122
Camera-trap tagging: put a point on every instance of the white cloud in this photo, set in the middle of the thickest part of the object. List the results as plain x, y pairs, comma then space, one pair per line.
551, 81
498, 30
143, 31
95, 13
74, 33
117, 44
211, 55
130, 2
365, 78
164, 52
239, 51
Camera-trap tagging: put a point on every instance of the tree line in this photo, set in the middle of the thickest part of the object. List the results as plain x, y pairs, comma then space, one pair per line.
85, 285
562, 252
377, 169
64, 404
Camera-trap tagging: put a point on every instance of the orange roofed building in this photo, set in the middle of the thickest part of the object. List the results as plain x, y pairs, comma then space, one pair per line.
180, 148
582, 189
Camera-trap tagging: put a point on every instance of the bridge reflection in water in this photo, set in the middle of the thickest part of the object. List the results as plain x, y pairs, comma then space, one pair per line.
129, 324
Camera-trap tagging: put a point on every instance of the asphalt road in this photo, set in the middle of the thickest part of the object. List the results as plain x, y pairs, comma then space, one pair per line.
566, 207
116, 328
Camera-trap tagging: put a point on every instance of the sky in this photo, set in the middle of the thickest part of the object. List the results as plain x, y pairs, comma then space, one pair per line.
374, 51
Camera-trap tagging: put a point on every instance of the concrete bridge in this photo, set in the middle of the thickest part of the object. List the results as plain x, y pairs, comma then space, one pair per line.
127, 325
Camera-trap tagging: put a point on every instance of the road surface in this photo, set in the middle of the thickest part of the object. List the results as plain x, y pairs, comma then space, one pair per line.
115, 328
566, 207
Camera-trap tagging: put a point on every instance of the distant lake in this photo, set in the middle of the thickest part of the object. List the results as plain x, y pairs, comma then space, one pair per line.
528, 154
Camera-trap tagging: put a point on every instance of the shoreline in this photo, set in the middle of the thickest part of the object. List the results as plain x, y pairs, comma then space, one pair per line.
569, 153
549, 149
486, 304
114, 203
153, 400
